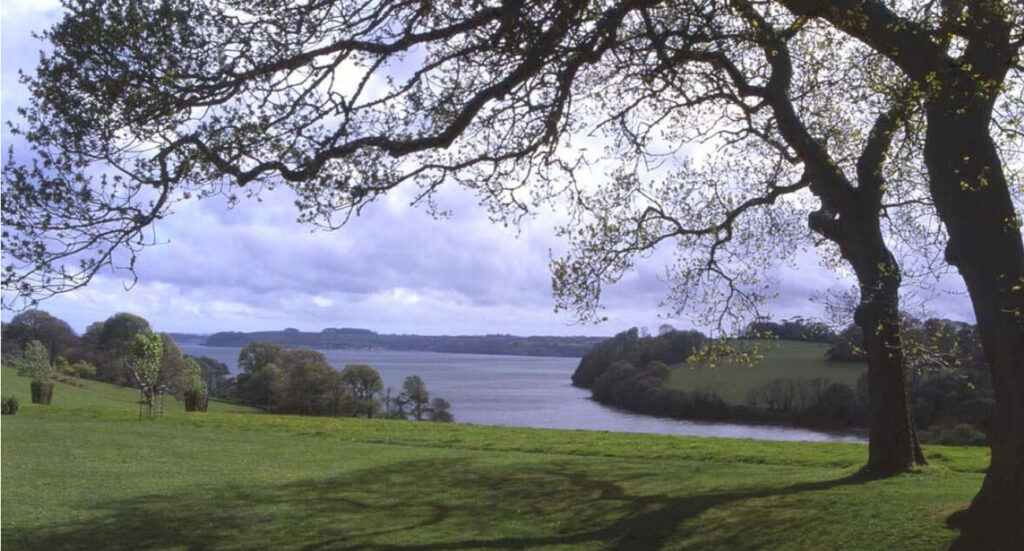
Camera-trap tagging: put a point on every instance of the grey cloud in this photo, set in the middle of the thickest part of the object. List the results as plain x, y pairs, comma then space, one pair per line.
394, 269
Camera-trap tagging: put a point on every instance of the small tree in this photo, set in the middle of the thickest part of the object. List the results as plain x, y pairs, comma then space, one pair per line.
441, 411
71, 372
394, 406
144, 366
196, 395
414, 393
35, 363
364, 385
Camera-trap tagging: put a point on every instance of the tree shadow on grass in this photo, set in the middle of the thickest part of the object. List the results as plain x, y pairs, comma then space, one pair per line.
432, 504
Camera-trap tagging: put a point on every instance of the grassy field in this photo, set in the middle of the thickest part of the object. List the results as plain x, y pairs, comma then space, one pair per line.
97, 394
782, 359
91, 476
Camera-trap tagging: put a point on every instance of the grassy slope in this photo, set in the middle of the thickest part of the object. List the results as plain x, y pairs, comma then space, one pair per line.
96, 478
97, 394
782, 359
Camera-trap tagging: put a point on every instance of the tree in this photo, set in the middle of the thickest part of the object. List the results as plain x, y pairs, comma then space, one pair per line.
337, 393
144, 367
441, 411
414, 393
193, 386
37, 325
849, 346
35, 363
172, 368
962, 76
215, 375
117, 341
307, 387
364, 385
262, 377
873, 107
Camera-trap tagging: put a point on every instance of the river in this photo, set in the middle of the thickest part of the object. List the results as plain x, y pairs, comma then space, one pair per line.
525, 391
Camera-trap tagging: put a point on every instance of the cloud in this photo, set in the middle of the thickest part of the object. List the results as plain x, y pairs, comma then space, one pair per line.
393, 269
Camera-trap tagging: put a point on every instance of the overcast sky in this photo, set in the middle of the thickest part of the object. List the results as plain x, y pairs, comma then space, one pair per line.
394, 270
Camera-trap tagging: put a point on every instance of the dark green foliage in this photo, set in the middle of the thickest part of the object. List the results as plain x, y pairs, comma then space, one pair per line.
9, 405
671, 347
216, 376
848, 346
262, 374
815, 403
37, 325
415, 396
795, 329
440, 411
296, 381
642, 389
364, 386
961, 434
310, 385
115, 339
195, 392
196, 401
172, 368
602, 356
413, 403
953, 397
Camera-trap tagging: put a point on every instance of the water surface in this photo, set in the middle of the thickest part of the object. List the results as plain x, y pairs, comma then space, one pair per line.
525, 391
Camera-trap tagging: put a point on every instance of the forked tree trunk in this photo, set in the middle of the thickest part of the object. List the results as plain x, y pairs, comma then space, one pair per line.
973, 200
893, 446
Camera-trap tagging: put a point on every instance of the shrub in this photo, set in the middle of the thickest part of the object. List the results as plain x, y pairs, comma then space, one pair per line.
960, 434
35, 363
9, 405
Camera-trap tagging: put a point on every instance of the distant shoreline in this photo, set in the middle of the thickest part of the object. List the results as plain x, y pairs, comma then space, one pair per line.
364, 339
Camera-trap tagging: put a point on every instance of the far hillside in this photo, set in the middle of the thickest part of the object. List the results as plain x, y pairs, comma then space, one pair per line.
817, 379
342, 338
781, 360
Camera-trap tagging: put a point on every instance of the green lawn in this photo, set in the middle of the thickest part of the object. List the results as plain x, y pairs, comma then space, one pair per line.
98, 394
782, 359
95, 477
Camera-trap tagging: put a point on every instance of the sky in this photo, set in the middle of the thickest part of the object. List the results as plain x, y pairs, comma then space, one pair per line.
395, 269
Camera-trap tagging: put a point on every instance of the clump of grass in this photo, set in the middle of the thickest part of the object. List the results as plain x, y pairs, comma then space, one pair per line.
9, 405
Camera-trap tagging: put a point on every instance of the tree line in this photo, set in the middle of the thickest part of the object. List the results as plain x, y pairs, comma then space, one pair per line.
951, 396
124, 350
334, 338
301, 381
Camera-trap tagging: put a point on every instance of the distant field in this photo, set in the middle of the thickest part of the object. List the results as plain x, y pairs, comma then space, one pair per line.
782, 359
98, 394
84, 473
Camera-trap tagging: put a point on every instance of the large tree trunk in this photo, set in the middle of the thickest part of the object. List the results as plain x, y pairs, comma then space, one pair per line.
893, 446
973, 200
